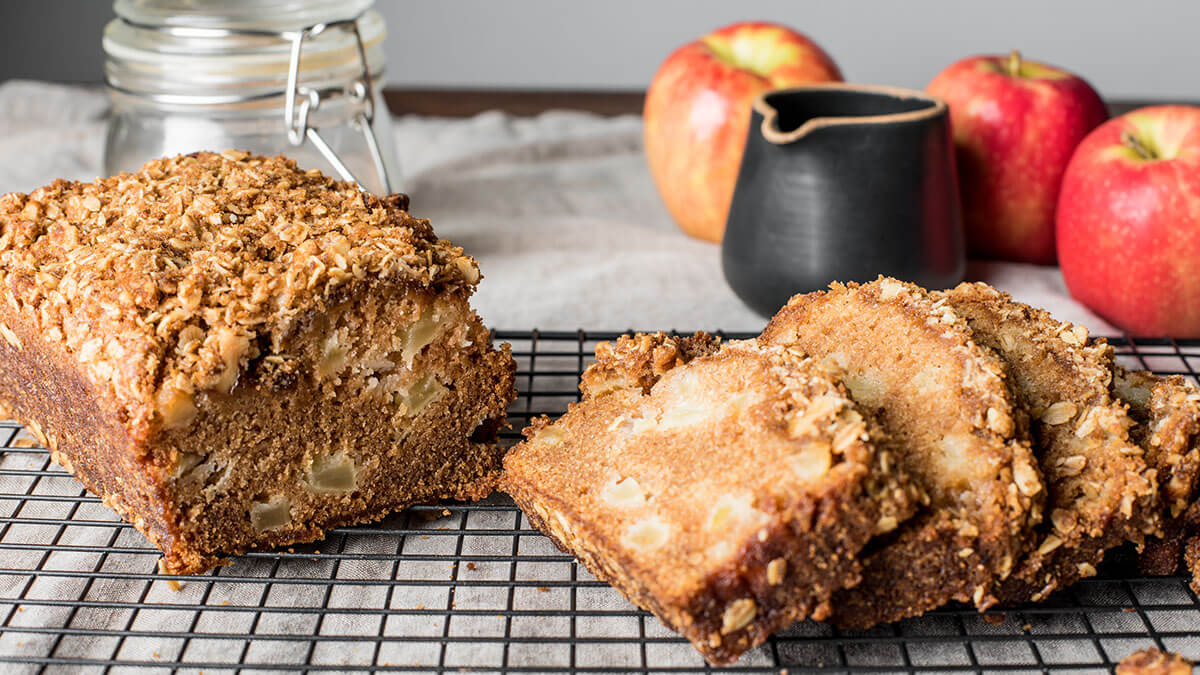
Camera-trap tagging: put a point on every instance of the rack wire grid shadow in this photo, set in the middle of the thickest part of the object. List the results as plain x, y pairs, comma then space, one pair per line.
473, 588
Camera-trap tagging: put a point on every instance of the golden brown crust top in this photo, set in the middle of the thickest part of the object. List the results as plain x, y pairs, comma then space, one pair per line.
180, 273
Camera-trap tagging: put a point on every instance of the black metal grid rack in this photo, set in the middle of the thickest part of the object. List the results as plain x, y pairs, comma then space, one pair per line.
472, 588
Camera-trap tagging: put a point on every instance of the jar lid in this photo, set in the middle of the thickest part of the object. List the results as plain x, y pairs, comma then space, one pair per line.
233, 51
267, 15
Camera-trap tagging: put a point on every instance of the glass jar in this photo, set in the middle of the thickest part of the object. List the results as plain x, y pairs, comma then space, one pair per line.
296, 77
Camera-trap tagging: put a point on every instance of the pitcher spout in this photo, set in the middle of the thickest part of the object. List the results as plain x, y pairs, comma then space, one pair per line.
791, 114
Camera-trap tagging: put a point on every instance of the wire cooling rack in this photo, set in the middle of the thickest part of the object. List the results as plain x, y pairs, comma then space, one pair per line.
472, 588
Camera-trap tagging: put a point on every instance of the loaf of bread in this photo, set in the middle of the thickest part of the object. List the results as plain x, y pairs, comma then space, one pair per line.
237, 354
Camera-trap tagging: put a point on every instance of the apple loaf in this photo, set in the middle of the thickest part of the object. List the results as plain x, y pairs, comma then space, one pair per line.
958, 432
1100, 491
237, 354
729, 491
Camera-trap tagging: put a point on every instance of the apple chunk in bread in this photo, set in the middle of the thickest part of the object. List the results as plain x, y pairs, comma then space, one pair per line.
237, 354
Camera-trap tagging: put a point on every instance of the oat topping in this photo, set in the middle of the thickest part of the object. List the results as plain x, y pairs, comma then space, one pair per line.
174, 277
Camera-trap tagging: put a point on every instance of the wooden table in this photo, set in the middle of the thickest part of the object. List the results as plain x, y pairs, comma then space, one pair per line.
468, 102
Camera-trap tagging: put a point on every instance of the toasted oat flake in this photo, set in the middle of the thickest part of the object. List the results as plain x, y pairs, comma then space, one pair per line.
738, 614
1072, 466
889, 289
776, 569
1027, 479
1049, 544
9, 336
1063, 520
1059, 413
886, 524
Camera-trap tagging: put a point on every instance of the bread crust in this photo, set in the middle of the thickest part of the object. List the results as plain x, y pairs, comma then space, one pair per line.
198, 342
1100, 491
797, 474
959, 433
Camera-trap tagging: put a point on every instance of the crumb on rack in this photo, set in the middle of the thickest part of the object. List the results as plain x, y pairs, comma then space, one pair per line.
1153, 661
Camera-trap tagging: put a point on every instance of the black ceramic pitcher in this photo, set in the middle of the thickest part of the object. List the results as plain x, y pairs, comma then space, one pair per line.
843, 182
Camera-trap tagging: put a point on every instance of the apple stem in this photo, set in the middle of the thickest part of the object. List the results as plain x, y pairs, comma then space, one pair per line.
1014, 63
1132, 142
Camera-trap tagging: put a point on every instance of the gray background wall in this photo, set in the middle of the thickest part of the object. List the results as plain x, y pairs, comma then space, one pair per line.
1139, 49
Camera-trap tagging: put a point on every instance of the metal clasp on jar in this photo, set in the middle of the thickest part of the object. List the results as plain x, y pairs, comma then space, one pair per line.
300, 101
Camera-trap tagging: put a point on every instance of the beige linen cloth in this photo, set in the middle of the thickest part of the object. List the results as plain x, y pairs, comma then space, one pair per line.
564, 219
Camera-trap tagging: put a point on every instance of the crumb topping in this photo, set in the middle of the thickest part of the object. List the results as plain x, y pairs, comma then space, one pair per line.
169, 280
639, 361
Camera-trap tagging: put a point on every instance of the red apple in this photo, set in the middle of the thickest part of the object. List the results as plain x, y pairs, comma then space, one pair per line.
1015, 123
697, 113
1129, 221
